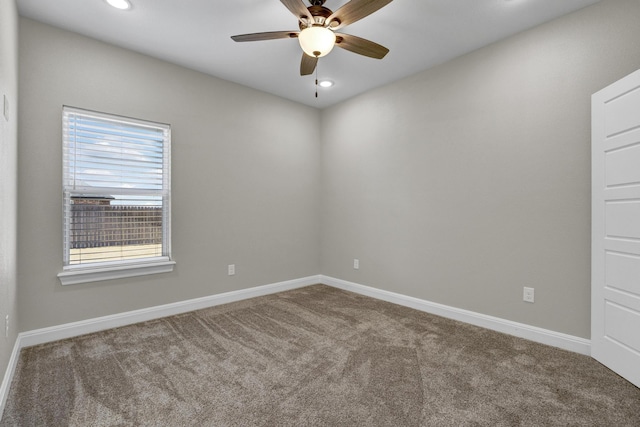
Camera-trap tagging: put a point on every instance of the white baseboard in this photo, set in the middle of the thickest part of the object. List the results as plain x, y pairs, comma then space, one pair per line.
55, 333
69, 330
8, 376
532, 333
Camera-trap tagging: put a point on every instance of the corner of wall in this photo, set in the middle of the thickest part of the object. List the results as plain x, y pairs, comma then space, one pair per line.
8, 187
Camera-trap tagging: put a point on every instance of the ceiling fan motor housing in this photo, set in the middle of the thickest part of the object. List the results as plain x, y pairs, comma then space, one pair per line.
320, 15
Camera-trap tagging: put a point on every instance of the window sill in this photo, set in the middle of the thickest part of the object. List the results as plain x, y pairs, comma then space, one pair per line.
75, 275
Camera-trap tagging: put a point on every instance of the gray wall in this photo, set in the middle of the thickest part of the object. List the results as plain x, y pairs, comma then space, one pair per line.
8, 177
245, 183
466, 182
459, 185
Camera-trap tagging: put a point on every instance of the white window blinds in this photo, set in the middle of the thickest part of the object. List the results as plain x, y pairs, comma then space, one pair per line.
116, 184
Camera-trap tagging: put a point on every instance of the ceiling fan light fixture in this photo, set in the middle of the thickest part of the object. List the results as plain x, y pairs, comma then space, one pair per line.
317, 41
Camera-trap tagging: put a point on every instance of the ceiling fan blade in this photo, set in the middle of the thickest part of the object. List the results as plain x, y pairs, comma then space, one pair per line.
308, 64
254, 37
354, 11
361, 46
298, 8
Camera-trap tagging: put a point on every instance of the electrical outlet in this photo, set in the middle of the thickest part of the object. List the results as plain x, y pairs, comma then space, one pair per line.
356, 264
231, 269
528, 294
6, 326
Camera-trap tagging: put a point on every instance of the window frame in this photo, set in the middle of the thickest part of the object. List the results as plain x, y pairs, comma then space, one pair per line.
108, 270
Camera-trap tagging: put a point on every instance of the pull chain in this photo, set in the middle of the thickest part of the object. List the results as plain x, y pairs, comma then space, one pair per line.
317, 65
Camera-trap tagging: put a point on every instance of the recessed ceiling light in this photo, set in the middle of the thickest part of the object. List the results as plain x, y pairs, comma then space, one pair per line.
120, 4
325, 83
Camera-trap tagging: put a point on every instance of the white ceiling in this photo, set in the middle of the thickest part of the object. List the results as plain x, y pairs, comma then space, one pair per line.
196, 34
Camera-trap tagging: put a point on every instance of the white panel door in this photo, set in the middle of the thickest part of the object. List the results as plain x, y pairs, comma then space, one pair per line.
615, 240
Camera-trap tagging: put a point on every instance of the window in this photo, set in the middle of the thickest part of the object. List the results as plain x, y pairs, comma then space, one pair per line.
116, 190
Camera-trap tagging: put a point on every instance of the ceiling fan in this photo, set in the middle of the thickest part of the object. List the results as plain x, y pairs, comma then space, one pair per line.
317, 34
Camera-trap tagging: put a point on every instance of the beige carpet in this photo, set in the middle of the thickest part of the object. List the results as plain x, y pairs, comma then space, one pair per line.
315, 356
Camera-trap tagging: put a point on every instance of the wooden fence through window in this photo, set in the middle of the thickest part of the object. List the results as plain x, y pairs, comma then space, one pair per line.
94, 226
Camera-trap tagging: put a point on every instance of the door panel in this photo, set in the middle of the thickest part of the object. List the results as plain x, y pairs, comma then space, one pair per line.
622, 326
622, 167
619, 112
615, 242
622, 219
622, 272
